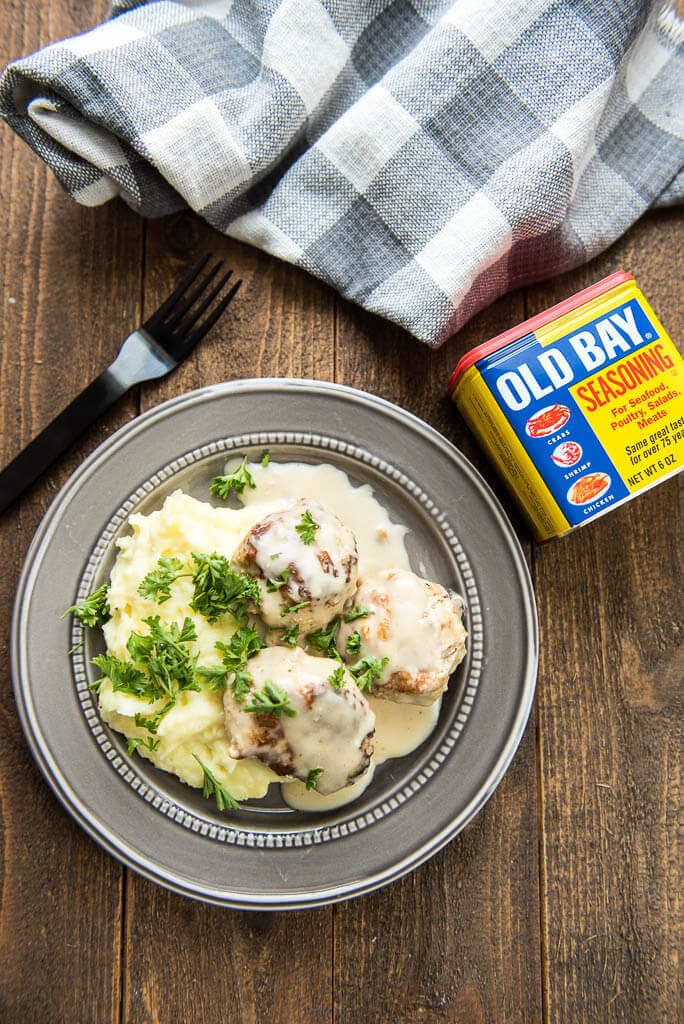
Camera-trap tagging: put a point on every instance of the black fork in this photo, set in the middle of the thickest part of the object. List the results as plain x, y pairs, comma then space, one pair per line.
163, 341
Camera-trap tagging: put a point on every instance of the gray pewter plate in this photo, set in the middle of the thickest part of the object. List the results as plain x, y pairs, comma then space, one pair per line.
266, 856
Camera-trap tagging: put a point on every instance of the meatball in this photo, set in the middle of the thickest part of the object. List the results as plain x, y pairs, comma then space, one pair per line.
306, 562
304, 717
415, 625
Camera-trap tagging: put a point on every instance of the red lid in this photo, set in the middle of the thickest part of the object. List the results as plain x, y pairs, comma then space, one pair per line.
553, 313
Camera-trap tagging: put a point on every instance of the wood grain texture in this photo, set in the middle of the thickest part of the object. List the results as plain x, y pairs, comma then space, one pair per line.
68, 288
609, 703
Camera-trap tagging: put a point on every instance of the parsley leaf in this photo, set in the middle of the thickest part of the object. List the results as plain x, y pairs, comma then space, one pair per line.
125, 678
152, 723
92, 610
162, 666
165, 655
313, 777
286, 609
215, 676
353, 643
357, 612
336, 680
236, 481
243, 644
218, 589
265, 458
306, 527
289, 636
212, 787
156, 586
241, 685
138, 741
367, 670
270, 700
323, 640
277, 582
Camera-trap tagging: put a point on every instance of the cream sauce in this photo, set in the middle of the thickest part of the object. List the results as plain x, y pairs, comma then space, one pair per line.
416, 627
399, 729
322, 571
299, 798
329, 730
380, 542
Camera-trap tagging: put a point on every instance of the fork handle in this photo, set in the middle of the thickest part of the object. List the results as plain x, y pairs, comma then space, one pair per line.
59, 435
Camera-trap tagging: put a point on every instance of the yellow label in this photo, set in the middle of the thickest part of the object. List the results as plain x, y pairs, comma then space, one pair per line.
640, 422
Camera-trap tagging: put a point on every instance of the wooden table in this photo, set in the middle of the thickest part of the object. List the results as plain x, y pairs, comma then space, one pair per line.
559, 902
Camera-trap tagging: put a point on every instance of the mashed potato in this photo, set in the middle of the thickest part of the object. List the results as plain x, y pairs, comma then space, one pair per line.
195, 724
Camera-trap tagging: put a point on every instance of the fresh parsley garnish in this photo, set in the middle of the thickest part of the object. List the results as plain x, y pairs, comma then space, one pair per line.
215, 676
236, 481
353, 643
212, 787
270, 700
277, 582
323, 640
357, 612
92, 610
286, 609
306, 527
313, 777
148, 742
164, 653
336, 680
125, 678
241, 685
265, 458
289, 636
367, 670
218, 589
151, 723
161, 667
243, 645
156, 586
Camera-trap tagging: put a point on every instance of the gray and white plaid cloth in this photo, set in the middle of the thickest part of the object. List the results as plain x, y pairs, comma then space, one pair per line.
421, 157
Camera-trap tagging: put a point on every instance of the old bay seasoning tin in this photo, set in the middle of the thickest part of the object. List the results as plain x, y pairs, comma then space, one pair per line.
580, 407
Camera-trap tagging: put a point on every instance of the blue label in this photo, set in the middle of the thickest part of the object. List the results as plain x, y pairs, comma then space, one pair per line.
531, 382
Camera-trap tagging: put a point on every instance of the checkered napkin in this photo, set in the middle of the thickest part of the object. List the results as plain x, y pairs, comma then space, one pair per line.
422, 157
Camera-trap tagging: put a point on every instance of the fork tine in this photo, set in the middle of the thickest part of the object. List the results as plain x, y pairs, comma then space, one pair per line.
179, 313
207, 324
197, 313
173, 298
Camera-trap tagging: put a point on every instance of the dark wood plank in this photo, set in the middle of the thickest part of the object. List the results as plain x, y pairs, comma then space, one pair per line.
280, 324
252, 967
185, 961
609, 705
70, 290
458, 939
